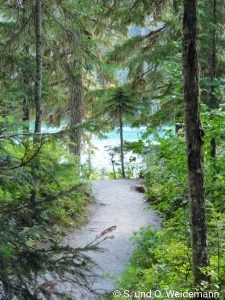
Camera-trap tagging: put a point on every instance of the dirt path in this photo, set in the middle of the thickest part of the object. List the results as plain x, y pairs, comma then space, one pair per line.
117, 204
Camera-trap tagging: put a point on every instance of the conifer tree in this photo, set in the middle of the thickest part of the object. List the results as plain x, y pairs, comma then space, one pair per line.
194, 143
37, 99
118, 106
76, 109
152, 57
211, 49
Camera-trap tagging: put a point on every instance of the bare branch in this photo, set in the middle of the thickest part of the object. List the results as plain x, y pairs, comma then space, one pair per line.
66, 130
153, 32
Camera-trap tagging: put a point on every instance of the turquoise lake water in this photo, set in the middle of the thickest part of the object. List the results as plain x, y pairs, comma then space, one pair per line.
129, 134
99, 149
101, 159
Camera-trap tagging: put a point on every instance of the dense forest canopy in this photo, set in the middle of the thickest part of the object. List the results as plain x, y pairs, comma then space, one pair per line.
89, 67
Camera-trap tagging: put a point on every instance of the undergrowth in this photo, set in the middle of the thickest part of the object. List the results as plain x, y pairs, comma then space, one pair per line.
162, 259
31, 232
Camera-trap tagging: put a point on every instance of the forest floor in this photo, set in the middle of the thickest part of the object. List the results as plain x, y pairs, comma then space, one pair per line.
118, 206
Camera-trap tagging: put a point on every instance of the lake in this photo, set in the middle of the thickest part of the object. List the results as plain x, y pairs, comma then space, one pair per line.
98, 155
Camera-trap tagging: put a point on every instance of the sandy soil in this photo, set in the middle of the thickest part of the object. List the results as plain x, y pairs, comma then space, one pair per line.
117, 204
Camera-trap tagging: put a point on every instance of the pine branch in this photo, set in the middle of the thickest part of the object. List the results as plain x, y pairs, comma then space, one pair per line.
23, 162
20, 30
49, 198
14, 135
153, 32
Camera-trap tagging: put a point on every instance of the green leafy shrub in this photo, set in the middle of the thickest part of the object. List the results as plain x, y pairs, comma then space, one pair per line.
165, 177
162, 259
30, 233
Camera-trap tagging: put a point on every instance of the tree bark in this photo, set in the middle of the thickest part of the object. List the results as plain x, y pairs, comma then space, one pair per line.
26, 84
76, 111
213, 71
37, 98
121, 144
194, 143
38, 75
26, 114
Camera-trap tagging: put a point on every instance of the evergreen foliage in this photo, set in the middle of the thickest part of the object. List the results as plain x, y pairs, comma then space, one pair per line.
84, 45
36, 165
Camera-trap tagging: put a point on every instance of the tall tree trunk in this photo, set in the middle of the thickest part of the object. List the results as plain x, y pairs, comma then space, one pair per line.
26, 107
26, 114
121, 143
76, 111
213, 71
38, 76
194, 143
37, 98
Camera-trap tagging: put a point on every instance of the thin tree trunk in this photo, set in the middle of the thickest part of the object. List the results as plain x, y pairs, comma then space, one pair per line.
194, 143
76, 112
26, 114
26, 107
38, 76
37, 98
213, 69
121, 144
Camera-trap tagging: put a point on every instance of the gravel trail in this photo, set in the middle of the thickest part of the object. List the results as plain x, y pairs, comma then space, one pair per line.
117, 203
